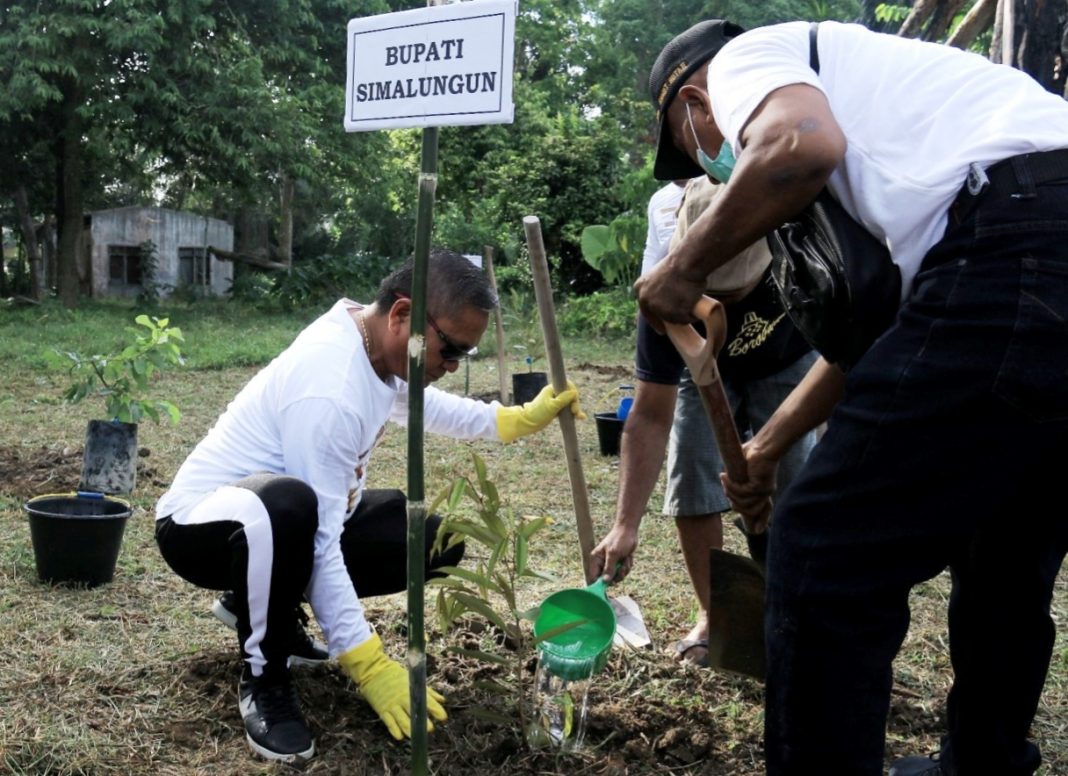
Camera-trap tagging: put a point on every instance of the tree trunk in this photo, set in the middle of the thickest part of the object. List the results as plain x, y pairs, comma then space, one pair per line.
1064, 60
941, 19
1027, 35
69, 210
974, 22
921, 11
47, 235
285, 231
29, 239
1039, 28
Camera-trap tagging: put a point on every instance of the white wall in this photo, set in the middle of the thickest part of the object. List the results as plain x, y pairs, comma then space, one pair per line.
169, 230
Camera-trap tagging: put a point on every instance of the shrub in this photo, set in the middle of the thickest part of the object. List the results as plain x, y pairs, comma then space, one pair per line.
328, 278
610, 312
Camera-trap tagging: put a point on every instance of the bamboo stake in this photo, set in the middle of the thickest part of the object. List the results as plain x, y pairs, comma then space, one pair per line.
416, 659
543, 291
502, 369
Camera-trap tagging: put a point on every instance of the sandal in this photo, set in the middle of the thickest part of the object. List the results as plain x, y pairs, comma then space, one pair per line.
683, 646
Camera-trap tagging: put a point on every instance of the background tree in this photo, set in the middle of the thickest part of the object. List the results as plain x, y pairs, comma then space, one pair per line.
232, 108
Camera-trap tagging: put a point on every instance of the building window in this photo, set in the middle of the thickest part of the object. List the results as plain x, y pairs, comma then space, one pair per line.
194, 267
124, 265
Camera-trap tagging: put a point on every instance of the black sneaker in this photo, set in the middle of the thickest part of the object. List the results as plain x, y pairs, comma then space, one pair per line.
274, 726
304, 650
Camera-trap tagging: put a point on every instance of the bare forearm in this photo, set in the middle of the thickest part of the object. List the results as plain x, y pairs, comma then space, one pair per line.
642, 456
643, 447
808, 405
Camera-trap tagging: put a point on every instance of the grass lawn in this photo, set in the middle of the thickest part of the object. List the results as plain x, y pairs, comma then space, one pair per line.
136, 677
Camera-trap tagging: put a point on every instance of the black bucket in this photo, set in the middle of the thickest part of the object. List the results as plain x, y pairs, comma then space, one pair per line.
76, 537
609, 430
527, 385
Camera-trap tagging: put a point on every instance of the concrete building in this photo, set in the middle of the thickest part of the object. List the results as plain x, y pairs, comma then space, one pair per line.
114, 240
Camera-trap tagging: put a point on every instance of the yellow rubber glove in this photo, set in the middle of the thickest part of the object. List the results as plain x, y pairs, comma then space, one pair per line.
536, 414
384, 683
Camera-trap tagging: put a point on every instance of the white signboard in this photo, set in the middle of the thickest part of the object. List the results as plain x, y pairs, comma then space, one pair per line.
436, 66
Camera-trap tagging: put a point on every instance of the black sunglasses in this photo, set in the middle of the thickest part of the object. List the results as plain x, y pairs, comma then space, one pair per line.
451, 350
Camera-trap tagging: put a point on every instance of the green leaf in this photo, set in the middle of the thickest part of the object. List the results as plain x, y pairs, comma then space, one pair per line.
531, 614
448, 582
552, 633
538, 575
437, 502
457, 493
506, 591
493, 521
470, 576
480, 470
481, 607
530, 527
596, 240
476, 532
493, 686
478, 654
520, 554
171, 410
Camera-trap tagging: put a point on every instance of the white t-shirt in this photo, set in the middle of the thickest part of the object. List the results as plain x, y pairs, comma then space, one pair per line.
315, 413
915, 115
662, 215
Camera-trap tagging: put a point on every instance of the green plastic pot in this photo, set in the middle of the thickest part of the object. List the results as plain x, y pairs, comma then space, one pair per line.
579, 651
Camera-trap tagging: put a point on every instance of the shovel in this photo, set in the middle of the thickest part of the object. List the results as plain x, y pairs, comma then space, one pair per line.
631, 627
736, 602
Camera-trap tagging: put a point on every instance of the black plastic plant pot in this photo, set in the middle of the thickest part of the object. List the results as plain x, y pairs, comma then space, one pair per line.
527, 385
76, 537
110, 462
609, 430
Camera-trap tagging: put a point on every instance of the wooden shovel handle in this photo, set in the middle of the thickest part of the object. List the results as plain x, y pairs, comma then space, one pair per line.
543, 292
699, 353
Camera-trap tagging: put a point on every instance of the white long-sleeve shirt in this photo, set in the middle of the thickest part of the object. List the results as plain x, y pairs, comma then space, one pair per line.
315, 413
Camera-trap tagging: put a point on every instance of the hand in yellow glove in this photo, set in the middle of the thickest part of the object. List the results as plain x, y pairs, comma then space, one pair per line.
536, 414
384, 683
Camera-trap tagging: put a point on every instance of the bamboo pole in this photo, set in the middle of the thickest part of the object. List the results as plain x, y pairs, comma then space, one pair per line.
416, 659
502, 369
539, 266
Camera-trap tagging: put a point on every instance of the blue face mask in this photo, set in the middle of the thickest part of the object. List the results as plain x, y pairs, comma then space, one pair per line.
719, 168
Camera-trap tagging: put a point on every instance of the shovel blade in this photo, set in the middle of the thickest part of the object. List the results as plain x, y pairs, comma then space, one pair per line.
736, 615
630, 626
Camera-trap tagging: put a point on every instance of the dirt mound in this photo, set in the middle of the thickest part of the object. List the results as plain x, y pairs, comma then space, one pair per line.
27, 471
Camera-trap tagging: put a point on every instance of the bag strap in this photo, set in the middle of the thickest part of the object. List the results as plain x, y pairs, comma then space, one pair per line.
813, 52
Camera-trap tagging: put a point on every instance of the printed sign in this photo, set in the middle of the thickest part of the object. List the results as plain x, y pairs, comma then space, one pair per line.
436, 66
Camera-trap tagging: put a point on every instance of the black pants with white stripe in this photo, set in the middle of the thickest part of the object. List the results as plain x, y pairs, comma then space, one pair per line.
257, 539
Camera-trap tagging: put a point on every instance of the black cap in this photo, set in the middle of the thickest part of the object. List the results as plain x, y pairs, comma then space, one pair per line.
683, 55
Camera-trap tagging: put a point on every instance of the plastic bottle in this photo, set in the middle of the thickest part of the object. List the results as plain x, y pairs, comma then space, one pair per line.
625, 403
558, 720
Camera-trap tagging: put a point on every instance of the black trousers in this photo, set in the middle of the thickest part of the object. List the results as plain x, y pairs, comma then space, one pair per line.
946, 451
219, 554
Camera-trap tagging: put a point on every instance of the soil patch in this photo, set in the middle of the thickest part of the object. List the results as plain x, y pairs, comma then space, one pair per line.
29, 471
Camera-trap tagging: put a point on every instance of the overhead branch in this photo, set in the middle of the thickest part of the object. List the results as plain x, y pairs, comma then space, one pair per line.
246, 258
978, 18
921, 11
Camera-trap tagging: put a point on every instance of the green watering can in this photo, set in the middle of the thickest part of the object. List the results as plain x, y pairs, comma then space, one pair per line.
579, 651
